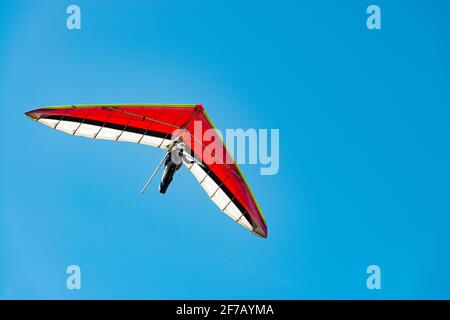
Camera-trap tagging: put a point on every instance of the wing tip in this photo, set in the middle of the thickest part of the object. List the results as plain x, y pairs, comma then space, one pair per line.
31, 115
260, 232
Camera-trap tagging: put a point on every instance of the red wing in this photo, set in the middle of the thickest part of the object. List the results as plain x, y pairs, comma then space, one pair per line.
152, 125
155, 125
220, 177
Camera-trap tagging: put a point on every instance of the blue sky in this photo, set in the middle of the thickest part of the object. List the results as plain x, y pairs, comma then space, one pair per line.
364, 153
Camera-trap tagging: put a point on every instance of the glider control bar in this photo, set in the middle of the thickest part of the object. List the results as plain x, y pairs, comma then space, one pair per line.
153, 175
169, 149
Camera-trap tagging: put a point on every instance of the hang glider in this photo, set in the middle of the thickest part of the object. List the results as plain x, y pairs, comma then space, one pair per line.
154, 125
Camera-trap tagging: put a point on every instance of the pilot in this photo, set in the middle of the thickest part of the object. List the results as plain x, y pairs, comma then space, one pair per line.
172, 163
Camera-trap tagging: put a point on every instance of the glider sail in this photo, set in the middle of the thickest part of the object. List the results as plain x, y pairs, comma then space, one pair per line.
154, 125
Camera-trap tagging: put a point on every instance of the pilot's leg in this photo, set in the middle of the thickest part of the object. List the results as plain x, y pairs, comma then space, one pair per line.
166, 178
